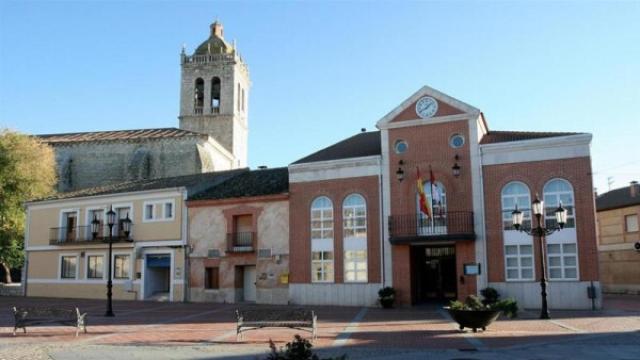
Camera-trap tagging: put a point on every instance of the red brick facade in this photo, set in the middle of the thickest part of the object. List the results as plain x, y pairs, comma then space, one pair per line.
301, 196
429, 147
577, 171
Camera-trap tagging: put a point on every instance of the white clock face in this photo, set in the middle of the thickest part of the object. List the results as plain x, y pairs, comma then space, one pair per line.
426, 107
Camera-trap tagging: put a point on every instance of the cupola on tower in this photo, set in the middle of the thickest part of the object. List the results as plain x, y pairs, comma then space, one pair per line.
214, 94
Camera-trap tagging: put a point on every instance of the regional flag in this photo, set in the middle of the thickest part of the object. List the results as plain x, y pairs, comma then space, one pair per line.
424, 207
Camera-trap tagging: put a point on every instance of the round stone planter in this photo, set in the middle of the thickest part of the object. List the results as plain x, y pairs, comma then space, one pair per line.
473, 319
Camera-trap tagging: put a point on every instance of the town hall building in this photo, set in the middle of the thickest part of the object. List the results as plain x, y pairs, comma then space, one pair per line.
424, 205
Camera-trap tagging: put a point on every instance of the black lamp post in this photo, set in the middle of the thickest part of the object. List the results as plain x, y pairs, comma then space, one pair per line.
540, 231
111, 220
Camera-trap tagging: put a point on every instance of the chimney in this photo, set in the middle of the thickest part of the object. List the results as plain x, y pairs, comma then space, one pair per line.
634, 189
217, 29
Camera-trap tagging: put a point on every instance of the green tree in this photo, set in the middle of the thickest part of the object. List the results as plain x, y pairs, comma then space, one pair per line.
27, 171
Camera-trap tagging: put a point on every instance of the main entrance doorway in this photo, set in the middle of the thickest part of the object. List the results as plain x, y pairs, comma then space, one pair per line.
433, 273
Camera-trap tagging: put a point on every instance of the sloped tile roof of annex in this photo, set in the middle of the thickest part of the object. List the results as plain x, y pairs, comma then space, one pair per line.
616, 199
493, 137
194, 184
359, 145
118, 135
261, 182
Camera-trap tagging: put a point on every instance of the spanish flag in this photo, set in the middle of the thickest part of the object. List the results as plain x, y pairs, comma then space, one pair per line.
424, 207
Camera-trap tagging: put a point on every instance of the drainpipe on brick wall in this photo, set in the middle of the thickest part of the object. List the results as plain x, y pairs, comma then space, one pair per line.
484, 223
382, 237
186, 249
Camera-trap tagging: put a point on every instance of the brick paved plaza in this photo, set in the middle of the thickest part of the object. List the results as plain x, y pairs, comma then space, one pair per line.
146, 330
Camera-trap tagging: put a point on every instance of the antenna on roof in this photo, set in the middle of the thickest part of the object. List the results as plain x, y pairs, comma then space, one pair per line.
610, 182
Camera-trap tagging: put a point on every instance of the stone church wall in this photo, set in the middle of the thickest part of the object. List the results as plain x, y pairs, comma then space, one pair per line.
89, 164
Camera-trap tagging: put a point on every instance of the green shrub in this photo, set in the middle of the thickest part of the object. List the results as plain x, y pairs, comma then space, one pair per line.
386, 292
298, 349
456, 305
473, 302
509, 307
490, 295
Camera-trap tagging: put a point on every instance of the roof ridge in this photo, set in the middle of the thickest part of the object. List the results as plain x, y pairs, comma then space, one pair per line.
116, 131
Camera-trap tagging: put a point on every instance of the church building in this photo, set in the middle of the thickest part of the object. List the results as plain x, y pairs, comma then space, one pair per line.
212, 136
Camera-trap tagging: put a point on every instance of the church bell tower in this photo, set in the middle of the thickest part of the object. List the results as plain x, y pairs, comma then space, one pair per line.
214, 94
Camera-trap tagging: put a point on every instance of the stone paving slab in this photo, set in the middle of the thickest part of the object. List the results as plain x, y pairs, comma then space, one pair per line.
150, 330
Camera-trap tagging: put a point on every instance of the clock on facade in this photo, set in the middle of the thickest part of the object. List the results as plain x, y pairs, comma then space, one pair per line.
426, 107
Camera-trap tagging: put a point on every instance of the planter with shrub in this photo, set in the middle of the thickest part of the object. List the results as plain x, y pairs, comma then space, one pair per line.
387, 297
477, 314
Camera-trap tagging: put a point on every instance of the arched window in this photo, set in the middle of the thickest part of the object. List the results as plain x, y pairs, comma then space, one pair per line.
215, 95
518, 251
554, 192
243, 100
562, 248
436, 195
515, 193
238, 97
322, 240
354, 217
198, 96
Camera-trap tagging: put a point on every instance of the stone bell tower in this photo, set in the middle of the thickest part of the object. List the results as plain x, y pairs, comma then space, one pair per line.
214, 93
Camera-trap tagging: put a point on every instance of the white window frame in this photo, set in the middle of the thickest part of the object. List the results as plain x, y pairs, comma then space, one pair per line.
157, 206
131, 265
59, 271
89, 219
62, 224
86, 266
512, 237
519, 256
626, 223
562, 256
322, 262
117, 207
354, 243
324, 243
557, 194
526, 211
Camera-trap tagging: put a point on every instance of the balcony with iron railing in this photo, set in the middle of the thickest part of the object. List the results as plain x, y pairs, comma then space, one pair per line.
83, 234
452, 225
241, 242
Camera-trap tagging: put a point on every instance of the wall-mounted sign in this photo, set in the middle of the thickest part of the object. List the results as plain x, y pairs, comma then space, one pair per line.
472, 269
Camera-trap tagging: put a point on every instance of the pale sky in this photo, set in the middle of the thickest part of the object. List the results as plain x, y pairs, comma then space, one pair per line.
323, 70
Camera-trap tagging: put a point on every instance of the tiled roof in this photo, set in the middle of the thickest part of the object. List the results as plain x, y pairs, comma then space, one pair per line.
617, 198
193, 183
117, 135
250, 183
362, 144
505, 136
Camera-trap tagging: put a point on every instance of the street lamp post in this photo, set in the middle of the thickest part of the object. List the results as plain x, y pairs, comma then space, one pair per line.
540, 231
126, 229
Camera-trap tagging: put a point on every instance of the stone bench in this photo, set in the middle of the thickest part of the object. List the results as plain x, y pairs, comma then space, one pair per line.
29, 316
252, 319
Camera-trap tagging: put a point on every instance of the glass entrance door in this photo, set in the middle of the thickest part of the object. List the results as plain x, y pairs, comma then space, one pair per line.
433, 273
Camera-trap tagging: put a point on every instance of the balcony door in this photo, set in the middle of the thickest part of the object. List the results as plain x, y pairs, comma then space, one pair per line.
69, 226
436, 224
243, 227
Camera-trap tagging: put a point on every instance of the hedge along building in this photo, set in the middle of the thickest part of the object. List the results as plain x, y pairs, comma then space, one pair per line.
239, 239
356, 223
64, 259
